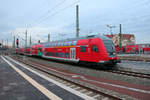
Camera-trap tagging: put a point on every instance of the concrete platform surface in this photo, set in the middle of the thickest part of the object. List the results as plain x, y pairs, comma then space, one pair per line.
18, 83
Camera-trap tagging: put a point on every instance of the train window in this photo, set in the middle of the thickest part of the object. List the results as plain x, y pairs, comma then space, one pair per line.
83, 48
65, 43
48, 45
74, 43
143, 46
55, 44
94, 48
52, 54
60, 54
62, 43
47, 53
67, 55
39, 48
58, 43
63, 54
70, 43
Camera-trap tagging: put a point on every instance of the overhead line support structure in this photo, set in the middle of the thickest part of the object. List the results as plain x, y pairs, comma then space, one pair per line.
77, 21
120, 34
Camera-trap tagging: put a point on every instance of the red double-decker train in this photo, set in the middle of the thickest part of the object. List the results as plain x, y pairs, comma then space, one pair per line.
91, 49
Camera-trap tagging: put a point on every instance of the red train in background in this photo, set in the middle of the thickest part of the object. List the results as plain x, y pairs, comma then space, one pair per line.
91, 49
134, 49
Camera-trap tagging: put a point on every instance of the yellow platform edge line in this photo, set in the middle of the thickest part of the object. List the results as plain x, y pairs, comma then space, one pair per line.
42, 89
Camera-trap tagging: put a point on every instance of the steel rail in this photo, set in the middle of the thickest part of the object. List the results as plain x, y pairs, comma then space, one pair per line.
116, 71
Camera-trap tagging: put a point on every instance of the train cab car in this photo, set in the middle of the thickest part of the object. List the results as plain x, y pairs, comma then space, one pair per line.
95, 49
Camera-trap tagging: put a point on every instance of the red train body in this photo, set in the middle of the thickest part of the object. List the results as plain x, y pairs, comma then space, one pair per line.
20, 50
94, 49
35, 49
137, 48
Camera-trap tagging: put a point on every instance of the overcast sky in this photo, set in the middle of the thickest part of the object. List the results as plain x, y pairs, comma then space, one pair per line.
57, 17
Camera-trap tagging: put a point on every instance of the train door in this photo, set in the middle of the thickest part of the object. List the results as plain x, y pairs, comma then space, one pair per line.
72, 53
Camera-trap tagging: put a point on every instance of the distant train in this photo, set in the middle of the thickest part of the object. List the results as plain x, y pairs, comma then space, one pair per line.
91, 49
137, 48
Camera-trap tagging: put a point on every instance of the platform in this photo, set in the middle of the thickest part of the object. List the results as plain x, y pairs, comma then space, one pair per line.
18, 83
135, 57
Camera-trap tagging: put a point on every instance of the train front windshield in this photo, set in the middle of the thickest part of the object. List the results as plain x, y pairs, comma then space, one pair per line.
109, 46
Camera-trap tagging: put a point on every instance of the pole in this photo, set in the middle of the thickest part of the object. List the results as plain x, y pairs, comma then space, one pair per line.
26, 39
111, 31
2, 42
24, 58
77, 21
14, 42
7, 42
48, 37
120, 34
30, 41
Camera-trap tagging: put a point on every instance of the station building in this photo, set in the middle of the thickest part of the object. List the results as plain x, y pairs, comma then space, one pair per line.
127, 39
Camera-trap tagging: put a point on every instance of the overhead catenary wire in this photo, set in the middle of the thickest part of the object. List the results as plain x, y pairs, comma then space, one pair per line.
52, 12
49, 11
55, 13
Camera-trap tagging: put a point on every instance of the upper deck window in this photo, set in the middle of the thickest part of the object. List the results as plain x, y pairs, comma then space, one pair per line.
74, 43
48, 44
70, 43
55, 44
94, 48
65, 44
62, 43
52, 44
59, 43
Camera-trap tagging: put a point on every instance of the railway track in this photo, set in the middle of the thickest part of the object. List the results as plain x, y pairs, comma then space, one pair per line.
130, 73
116, 71
96, 94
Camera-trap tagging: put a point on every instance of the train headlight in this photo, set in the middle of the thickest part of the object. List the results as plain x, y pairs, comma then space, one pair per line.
114, 53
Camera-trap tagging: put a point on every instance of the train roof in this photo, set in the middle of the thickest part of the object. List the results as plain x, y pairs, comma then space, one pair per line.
75, 39
85, 37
